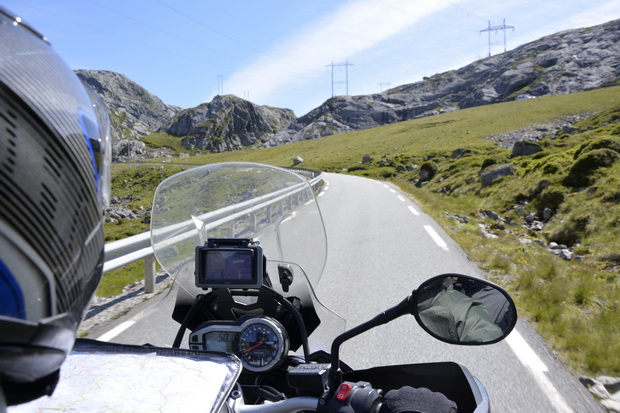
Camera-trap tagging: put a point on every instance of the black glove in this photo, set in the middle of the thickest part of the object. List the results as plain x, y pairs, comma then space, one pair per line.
422, 400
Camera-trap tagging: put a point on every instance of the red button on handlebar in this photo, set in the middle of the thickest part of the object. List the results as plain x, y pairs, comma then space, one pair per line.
343, 392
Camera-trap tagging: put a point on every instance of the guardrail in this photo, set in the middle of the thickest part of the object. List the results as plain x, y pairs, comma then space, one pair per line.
131, 249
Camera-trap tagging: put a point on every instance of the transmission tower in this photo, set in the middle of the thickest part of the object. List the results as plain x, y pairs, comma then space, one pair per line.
346, 65
381, 85
490, 29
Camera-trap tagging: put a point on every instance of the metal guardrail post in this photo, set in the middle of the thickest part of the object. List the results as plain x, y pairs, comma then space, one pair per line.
149, 274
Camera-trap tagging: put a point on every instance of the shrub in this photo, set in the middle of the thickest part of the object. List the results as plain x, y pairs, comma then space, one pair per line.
428, 171
551, 169
551, 199
581, 172
612, 144
570, 231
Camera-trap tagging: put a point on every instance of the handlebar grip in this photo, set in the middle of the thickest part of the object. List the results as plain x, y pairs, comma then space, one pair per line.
408, 399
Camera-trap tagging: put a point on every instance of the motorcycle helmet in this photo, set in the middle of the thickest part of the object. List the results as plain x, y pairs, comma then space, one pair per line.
54, 186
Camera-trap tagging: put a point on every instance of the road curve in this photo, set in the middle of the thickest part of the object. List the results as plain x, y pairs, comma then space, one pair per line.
380, 247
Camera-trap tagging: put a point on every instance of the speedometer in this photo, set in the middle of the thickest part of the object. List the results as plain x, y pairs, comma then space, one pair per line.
263, 344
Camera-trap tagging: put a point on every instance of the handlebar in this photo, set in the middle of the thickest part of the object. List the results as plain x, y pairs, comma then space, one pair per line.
290, 405
360, 397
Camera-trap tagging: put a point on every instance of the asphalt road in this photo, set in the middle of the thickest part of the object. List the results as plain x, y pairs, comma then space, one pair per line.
380, 247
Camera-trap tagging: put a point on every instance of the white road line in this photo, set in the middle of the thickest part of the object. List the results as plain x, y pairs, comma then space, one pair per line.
116, 330
293, 215
435, 236
524, 352
413, 210
392, 191
401, 198
529, 359
387, 186
124, 325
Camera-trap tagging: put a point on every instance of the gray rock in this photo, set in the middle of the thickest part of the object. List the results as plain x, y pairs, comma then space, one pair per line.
298, 160
228, 123
461, 153
537, 226
568, 129
490, 173
460, 218
566, 254
612, 406
524, 148
491, 214
128, 148
367, 159
612, 384
427, 171
134, 112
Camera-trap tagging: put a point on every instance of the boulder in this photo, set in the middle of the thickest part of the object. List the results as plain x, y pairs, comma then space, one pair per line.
491, 173
427, 171
524, 148
461, 153
367, 159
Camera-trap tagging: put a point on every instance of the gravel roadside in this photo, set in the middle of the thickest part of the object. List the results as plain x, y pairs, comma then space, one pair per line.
104, 310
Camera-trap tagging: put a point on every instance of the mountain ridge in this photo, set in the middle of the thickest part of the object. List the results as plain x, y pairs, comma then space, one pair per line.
561, 63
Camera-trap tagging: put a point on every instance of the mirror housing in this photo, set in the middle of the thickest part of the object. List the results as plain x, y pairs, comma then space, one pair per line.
459, 309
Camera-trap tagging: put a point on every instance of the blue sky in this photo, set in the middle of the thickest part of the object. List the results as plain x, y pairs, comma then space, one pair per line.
278, 53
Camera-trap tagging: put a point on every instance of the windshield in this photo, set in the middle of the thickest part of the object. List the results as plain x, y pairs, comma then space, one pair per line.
271, 205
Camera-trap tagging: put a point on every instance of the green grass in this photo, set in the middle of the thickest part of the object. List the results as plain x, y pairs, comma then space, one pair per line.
113, 282
573, 304
164, 140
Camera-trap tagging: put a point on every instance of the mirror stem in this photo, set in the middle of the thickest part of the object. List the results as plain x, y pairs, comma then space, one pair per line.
335, 375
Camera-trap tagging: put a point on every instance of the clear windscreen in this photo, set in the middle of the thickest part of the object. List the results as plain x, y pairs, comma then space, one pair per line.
271, 205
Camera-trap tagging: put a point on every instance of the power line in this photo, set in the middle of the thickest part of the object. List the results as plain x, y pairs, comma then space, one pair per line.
220, 85
346, 65
503, 27
164, 31
224, 35
124, 39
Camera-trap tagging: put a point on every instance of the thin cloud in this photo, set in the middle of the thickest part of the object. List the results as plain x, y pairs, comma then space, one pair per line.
351, 29
586, 18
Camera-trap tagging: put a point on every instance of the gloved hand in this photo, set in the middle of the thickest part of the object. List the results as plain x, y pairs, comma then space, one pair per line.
422, 400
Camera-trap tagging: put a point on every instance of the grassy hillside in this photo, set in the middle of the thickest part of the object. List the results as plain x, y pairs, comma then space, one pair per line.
571, 188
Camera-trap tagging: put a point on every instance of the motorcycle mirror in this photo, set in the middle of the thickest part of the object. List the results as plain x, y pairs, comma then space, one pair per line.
460, 309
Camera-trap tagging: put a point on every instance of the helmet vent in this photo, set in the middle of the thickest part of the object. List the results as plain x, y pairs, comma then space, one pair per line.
53, 166
8, 123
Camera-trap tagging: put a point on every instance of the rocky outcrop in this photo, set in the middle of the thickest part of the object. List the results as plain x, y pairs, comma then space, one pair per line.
228, 123
562, 63
134, 112
565, 62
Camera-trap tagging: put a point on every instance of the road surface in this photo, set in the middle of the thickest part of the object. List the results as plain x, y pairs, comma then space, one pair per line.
380, 247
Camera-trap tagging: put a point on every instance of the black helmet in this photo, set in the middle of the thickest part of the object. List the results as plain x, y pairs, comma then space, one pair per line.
54, 187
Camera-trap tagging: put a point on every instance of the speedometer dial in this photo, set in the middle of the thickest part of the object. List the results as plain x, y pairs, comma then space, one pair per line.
263, 343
